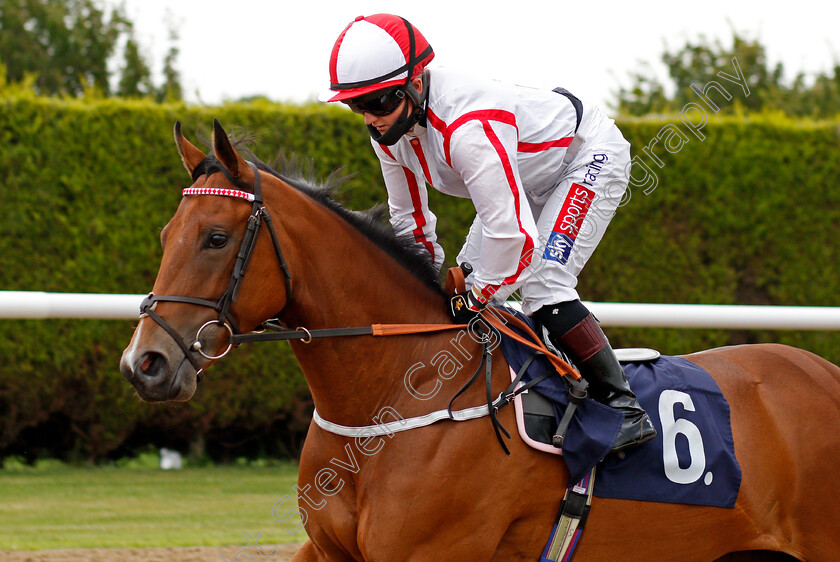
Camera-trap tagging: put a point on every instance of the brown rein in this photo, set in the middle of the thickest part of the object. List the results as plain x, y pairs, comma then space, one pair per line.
534, 342
496, 317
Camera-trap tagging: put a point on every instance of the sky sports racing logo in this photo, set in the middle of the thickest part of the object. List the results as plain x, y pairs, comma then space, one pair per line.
569, 221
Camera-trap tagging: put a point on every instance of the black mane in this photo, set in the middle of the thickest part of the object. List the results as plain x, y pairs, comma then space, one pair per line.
371, 223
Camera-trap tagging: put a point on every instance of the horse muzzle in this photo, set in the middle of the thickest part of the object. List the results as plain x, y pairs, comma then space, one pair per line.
156, 379
157, 368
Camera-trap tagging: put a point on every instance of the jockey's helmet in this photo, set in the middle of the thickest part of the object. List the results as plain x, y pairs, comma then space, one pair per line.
380, 53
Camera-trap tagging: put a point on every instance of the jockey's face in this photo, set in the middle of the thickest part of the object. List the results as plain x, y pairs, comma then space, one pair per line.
373, 107
384, 122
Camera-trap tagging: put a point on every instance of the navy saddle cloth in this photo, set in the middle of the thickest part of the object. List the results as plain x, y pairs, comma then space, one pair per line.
692, 460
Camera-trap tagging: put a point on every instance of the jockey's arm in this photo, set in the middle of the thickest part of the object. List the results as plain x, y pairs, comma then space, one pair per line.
484, 154
408, 203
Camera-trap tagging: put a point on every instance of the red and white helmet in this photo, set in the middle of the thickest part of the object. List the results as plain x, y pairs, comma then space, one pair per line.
374, 53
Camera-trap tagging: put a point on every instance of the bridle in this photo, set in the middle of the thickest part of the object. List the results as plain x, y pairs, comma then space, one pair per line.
259, 216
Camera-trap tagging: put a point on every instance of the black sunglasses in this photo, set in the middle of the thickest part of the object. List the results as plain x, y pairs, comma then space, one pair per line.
377, 103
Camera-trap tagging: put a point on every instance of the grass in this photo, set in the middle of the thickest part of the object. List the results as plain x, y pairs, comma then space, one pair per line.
137, 505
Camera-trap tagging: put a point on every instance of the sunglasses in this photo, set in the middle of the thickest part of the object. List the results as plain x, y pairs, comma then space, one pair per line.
377, 104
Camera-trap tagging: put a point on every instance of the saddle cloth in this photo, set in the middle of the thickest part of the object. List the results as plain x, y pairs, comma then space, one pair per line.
691, 461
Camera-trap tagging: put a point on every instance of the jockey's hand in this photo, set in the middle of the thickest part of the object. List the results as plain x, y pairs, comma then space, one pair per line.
463, 307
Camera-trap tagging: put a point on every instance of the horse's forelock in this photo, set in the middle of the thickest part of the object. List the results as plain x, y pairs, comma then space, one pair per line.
210, 165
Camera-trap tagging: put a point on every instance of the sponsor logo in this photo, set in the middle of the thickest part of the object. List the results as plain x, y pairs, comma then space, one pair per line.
567, 227
594, 168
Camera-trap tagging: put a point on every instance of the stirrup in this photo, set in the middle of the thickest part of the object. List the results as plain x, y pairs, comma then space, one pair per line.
647, 432
577, 394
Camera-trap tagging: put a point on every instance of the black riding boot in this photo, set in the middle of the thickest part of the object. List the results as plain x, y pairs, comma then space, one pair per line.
589, 348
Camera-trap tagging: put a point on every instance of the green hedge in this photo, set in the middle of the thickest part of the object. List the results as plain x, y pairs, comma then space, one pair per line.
750, 215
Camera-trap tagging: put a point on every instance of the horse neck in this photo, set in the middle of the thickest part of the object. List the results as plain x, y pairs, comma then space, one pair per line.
342, 279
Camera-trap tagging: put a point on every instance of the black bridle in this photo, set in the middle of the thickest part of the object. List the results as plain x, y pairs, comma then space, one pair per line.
259, 216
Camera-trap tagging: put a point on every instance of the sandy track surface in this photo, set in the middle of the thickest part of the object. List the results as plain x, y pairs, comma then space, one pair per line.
283, 553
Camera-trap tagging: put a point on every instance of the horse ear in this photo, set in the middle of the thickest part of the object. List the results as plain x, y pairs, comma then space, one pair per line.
225, 153
190, 155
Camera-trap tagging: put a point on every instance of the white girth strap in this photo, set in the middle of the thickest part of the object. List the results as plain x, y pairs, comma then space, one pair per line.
402, 424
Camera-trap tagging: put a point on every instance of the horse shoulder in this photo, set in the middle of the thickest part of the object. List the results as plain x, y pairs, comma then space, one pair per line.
327, 495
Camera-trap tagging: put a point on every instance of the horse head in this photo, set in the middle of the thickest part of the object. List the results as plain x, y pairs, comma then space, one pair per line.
196, 304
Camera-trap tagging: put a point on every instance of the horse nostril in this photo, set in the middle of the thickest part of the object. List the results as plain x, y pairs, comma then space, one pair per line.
152, 365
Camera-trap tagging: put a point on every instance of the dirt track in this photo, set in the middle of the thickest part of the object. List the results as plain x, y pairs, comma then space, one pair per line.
283, 553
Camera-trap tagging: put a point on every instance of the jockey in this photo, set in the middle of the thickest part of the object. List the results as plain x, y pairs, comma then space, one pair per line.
544, 170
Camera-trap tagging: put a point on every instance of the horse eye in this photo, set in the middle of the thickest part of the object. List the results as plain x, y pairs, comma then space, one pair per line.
217, 240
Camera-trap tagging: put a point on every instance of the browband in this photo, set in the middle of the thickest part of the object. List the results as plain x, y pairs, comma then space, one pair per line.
219, 191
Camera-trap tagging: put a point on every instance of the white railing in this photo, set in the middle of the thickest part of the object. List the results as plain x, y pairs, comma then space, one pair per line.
749, 317
36, 304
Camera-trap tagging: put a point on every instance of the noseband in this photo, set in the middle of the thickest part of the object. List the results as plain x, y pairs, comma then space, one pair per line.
258, 216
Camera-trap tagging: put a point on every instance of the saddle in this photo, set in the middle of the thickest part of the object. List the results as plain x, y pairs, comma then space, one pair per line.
684, 402
537, 415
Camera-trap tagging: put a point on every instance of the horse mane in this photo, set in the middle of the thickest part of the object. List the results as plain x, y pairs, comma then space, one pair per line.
372, 223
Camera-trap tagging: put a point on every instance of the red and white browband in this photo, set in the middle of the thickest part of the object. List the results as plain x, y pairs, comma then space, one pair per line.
219, 191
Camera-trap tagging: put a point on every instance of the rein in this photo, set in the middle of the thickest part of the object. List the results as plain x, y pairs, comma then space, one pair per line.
282, 333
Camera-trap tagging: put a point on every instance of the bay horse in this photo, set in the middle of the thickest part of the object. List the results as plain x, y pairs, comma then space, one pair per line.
447, 491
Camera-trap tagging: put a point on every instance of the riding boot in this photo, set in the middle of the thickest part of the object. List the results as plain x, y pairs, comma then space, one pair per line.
590, 350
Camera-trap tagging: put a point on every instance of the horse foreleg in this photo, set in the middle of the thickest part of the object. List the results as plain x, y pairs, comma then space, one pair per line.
308, 551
